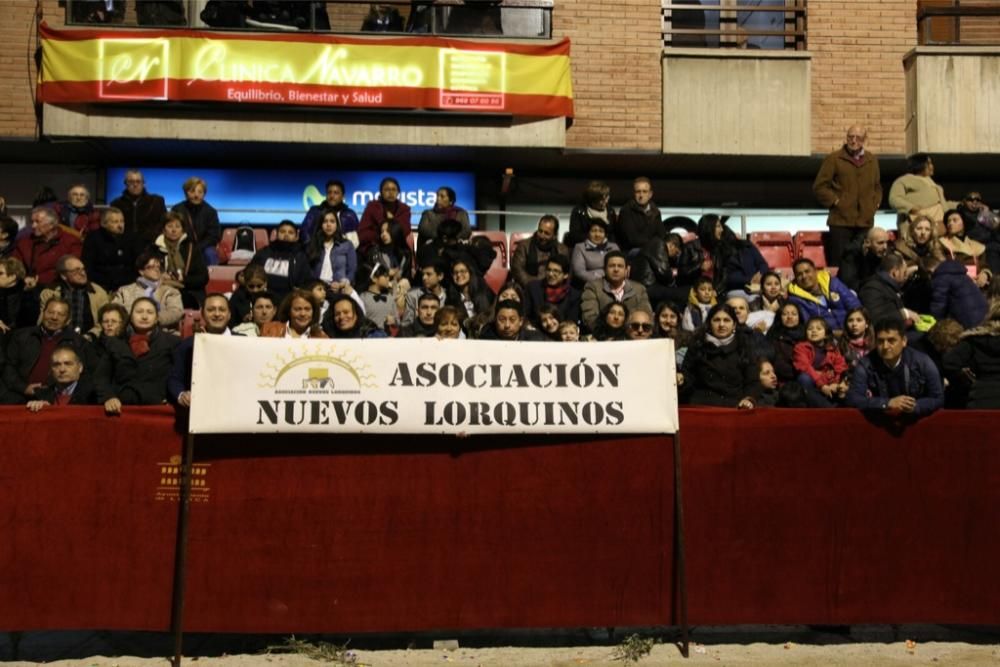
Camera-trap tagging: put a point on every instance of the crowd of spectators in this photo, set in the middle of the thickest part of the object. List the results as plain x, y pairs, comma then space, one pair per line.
91, 302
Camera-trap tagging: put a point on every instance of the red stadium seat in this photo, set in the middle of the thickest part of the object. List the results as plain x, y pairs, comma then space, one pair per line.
190, 322
776, 247
497, 274
499, 242
517, 238
810, 246
227, 242
222, 278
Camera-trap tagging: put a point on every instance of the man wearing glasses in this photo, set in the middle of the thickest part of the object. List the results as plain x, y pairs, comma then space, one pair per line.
84, 297
640, 325
143, 211
849, 185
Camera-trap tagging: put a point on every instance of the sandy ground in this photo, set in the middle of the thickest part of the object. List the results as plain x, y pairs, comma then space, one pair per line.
873, 645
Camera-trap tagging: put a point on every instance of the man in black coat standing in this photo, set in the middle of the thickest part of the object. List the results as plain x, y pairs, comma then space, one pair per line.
143, 211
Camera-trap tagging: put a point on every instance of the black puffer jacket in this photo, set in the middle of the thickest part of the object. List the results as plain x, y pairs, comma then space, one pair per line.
978, 351
720, 376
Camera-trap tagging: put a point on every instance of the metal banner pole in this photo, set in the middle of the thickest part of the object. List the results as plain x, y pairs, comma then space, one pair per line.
680, 580
180, 551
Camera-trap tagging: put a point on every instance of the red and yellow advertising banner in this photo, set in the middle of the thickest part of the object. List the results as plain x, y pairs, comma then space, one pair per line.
523, 79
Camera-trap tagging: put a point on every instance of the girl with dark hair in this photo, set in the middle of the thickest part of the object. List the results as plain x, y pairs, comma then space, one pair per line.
387, 207
611, 321
298, 317
331, 255
134, 368
345, 319
822, 369
858, 338
548, 319
772, 293
785, 333
593, 207
468, 292
667, 324
719, 369
391, 251
735, 265
962, 248
251, 280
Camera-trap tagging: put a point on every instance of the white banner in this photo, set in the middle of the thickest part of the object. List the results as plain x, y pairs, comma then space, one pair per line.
276, 385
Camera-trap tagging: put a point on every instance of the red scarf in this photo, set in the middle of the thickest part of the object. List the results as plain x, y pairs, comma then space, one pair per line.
139, 344
556, 294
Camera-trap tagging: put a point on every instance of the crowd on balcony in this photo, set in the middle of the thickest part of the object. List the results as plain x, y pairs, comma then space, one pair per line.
98, 306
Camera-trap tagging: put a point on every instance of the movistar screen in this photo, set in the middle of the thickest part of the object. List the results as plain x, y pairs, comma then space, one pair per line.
265, 197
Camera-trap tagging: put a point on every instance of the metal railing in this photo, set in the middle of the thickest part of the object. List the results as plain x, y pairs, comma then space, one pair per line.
522, 19
958, 23
747, 24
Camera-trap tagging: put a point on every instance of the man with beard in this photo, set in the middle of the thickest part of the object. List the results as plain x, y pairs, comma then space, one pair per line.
142, 211
347, 219
531, 257
861, 259
284, 261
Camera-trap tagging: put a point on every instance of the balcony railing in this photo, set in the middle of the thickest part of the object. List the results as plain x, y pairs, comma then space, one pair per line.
748, 24
522, 19
958, 22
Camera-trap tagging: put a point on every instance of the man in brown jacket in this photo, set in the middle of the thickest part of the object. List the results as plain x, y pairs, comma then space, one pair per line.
849, 184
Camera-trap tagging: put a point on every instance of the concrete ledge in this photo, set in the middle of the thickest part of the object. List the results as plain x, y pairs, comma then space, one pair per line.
736, 102
952, 100
106, 121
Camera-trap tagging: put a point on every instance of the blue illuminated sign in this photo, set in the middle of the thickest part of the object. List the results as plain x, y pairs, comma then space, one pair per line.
265, 197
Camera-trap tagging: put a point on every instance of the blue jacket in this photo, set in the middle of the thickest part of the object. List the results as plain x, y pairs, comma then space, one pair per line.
742, 266
833, 305
954, 294
344, 260
920, 379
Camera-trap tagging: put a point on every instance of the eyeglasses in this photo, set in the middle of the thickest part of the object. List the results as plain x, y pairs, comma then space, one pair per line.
78, 269
640, 326
974, 199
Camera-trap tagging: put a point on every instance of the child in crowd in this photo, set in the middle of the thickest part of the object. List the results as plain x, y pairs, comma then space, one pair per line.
700, 301
772, 293
767, 395
378, 300
320, 294
251, 280
569, 332
858, 339
548, 318
822, 368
